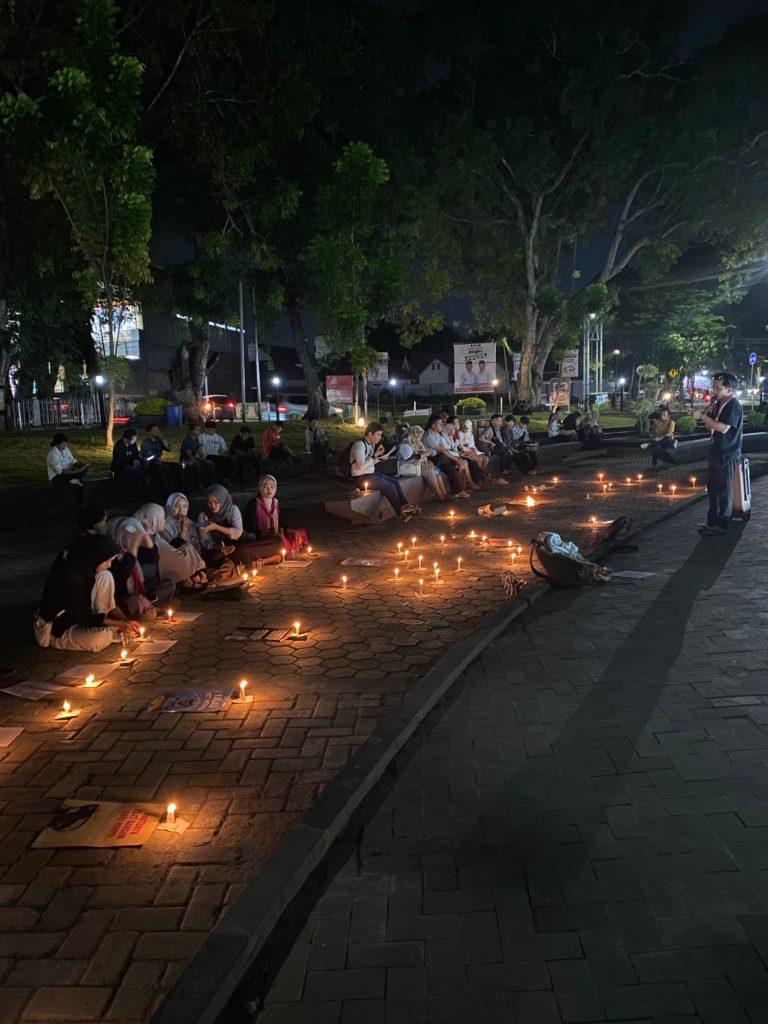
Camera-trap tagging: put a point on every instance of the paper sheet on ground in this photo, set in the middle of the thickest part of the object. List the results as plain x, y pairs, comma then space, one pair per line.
270, 634
633, 574
100, 670
100, 824
151, 647
375, 563
33, 689
190, 700
293, 563
8, 734
184, 617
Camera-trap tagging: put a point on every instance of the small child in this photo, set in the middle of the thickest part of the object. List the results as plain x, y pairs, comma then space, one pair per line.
262, 517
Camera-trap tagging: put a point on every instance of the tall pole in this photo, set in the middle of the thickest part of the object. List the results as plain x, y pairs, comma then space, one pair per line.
256, 354
243, 395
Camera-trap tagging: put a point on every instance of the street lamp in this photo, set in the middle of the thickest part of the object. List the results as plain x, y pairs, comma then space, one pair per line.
100, 380
622, 382
616, 354
495, 384
276, 382
393, 385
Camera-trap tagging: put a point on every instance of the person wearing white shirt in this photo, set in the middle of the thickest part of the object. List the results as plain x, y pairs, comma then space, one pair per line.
364, 456
446, 460
215, 451
64, 469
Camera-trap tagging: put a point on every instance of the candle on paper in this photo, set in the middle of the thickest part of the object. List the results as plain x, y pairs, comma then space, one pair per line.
91, 682
296, 628
170, 815
66, 712
458, 564
297, 633
170, 823
142, 632
442, 538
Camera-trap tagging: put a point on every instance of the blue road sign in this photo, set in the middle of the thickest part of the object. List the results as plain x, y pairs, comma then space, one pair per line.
752, 358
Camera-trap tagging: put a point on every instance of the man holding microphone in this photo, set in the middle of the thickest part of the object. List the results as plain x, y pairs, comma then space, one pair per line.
725, 422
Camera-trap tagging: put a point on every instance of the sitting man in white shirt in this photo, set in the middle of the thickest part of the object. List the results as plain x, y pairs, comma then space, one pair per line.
446, 460
215, 451
364, 456
64, 469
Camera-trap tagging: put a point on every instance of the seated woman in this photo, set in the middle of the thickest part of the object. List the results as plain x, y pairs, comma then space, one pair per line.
179, 528
465, 438
78, 611
178, 563
261, 517
413, 460
275, 448
220, 527
451, 434
64, 469
130, 587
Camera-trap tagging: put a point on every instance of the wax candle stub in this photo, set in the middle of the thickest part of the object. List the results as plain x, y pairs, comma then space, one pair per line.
343, 582
123, 654
170, 814
67, 707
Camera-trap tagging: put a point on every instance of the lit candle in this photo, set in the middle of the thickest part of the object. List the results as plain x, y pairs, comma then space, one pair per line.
309, 550
254, 573
458, 564
170, 814
421, 588
693, 481
343, 582
66, 707
405, 554
413, 543
243, 684
296, 626
421, 559
673, 488
282, 555
529, 501
142, 631
397, 575
605, 488
593, 519
484, 539
123, 654
640, 477
472, 536
437, 570
400, 550
509, 543
629, 479
555, 479
442, 538
519, 549
659, 488
600, 476
365, 487
89, 680
170, 614
452, 516
245, 577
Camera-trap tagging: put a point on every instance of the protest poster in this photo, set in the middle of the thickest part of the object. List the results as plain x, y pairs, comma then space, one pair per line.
474, 367
100, 824
190, 700
338, 389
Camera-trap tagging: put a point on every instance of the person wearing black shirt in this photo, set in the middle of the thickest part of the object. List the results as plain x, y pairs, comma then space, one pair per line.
242, 451
126, 460
725, 423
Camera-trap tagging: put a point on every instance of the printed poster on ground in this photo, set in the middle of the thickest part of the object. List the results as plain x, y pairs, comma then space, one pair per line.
474, 367
100, 824
338, 389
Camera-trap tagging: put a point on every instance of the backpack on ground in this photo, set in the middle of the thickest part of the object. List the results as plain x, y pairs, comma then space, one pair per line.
345, 462
562, 564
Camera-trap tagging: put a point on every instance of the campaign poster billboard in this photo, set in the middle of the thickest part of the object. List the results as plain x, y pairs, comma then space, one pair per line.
474, 367
338, 389
379, 372
569, 364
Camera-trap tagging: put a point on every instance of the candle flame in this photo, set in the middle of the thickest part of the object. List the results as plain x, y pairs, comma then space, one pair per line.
67, 707
123, 654
296, 627
529, 501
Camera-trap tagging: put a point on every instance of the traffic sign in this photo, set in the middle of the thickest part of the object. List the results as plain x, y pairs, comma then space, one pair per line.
752, 358
673, 374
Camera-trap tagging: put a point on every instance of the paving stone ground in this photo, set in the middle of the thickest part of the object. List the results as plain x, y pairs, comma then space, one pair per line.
100, 935
580, 832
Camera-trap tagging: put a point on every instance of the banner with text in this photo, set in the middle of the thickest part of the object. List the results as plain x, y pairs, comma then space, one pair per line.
379, 372
338, 389
474, 367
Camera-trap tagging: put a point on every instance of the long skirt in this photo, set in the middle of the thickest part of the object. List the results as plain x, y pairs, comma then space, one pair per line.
177, 564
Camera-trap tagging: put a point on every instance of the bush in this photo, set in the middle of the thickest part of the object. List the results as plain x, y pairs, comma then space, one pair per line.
643, 410
685, 425
472, 402
151, 407
755, 420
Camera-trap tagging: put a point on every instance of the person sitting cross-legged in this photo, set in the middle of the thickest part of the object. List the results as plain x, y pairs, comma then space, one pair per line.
126, 460
216, 451
364, 457
316, 441
242, 451
64, 469
276, 449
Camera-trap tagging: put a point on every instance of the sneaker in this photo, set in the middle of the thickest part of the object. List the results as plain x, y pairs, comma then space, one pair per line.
645, 444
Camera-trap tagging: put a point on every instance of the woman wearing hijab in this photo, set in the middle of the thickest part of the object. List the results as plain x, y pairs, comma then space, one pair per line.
179, 528
413, 460
130, 589
182, 564
220, 527
262, 519
78, 611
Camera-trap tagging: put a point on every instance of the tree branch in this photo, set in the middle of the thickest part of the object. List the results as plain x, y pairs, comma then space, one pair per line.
187, 42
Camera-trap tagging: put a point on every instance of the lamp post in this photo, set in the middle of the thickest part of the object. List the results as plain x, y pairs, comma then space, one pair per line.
622, 382
276, 382
616, 354
495, 395
392, 386
99, 380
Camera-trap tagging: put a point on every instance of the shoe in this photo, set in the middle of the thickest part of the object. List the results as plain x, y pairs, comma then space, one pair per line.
645, 444
712, 531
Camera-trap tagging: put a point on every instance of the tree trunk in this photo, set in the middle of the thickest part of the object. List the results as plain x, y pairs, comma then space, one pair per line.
109, 440
5, 365
525, 383
316, 401
187, 372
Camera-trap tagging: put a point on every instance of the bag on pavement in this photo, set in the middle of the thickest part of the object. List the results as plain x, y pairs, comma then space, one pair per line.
562, 564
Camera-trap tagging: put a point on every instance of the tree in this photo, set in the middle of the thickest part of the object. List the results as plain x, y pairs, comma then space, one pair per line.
563, 131
93, 165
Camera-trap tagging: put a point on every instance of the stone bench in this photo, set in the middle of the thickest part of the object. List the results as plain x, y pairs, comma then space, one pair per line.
374, 507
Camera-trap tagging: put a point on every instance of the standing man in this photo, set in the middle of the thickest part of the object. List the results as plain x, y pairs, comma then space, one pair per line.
725, 423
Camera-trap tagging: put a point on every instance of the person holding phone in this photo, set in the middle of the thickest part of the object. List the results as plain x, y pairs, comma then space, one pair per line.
725, 422
365, 455
64, 469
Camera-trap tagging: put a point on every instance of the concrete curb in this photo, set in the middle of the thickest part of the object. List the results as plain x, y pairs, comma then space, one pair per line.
210, 979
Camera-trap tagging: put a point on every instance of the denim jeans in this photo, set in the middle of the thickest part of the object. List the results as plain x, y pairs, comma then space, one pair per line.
385, 485
661, 450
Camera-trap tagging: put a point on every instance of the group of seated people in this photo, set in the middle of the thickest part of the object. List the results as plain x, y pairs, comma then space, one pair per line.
205, 457
445, 454
576, 426
114, 572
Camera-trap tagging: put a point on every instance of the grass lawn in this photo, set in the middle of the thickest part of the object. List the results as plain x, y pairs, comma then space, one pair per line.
22, 453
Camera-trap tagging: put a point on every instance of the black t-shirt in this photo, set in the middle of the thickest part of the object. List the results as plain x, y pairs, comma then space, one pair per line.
726, 447
571, 421
242, 446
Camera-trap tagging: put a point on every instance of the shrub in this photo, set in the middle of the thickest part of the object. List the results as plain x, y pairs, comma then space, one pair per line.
685, 425
151, 407
755, 420
643, 410
470, 402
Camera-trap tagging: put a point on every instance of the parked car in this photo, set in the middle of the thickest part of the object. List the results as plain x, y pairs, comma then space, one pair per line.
217, 407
